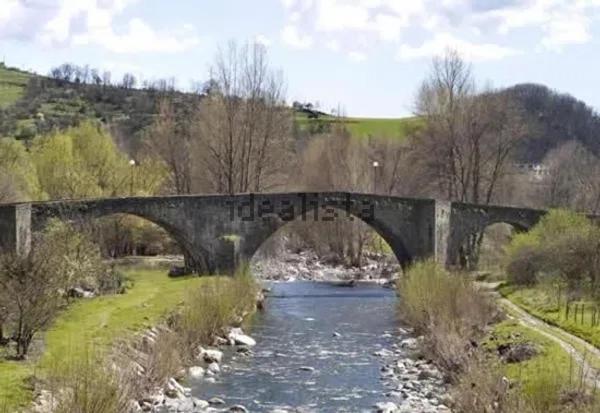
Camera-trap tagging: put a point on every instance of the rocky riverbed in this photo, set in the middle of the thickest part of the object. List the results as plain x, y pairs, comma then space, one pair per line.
414, 384
313, 368
308, 266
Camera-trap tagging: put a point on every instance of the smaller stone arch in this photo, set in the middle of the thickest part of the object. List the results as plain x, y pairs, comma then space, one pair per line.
469, 221
194, 256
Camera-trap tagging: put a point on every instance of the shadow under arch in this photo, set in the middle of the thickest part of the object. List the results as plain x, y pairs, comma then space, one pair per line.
274, 224
470, 245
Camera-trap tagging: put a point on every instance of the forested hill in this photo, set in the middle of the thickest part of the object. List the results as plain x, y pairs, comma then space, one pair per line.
555, 118
31, 104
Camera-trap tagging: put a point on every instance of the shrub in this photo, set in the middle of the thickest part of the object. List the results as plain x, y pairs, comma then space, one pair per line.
447, 309
88, 384
213, 306
563, 244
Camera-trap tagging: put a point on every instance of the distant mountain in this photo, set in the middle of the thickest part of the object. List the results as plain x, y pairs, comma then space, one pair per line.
556, 118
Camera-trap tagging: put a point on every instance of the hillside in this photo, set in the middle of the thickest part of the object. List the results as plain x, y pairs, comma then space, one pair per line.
32, 104
555, 118
12, 85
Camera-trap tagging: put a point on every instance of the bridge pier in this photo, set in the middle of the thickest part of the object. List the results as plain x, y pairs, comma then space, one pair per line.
15, 228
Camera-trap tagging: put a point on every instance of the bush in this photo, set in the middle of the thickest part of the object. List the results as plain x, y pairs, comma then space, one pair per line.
447, 309
88, 384
563, 244
210, 308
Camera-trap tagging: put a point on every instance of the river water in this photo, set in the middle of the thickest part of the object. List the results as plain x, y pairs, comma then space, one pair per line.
314, 352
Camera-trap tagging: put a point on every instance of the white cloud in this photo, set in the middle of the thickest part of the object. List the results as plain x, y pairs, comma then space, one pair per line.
551, 24
333, 45
443, 41
292, 37
357, 56
57, 23
262, 40
138, 38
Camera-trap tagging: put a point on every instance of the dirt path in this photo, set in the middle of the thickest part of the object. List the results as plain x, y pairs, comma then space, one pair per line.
586, 355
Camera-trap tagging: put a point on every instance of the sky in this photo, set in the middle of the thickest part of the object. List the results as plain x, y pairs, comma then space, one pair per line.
367, 57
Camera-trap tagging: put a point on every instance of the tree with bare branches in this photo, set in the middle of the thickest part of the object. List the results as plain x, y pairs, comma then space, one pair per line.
243, 128
468, 137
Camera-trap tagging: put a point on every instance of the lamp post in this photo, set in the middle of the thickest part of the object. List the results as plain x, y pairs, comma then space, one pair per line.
132, 164
375, 166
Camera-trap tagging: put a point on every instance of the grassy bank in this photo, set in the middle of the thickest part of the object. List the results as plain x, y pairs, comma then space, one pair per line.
580, 320
98, 322
464, 335
551, 360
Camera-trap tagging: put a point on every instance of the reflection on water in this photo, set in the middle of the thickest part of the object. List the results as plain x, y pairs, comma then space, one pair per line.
300, 361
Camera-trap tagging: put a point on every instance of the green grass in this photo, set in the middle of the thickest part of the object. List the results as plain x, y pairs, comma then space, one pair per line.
382, 127
539, 302
552, 358
365, 127
13, 391
12, 85
99, 322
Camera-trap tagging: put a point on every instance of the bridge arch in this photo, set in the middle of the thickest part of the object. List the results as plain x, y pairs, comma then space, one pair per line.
468, 222
195, 256
275, 224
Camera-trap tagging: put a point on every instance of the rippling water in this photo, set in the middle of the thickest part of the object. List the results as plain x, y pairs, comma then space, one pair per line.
299, 363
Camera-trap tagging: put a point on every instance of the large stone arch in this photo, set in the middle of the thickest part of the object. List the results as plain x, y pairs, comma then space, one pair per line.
407, 225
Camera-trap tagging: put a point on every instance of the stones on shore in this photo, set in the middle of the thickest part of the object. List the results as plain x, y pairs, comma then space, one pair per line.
237, 336
415, 385
211, 356
196, 372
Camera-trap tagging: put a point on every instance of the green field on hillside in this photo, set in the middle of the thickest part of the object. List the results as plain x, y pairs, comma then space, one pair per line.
362, 127
12, 85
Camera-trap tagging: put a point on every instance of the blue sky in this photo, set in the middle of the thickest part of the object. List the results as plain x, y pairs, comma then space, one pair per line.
367, 56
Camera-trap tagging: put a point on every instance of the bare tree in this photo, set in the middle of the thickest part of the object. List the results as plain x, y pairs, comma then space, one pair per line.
242, 130
468, 138
168, 140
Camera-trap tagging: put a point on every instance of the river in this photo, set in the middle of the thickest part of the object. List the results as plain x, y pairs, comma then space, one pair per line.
314, 352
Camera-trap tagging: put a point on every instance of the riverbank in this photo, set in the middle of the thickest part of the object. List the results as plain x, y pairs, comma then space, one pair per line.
95, 326
502, 365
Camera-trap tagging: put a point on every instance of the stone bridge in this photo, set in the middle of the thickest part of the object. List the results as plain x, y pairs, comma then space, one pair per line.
217, 232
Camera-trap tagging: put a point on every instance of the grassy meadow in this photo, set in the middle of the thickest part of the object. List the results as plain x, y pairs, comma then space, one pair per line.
97, 323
